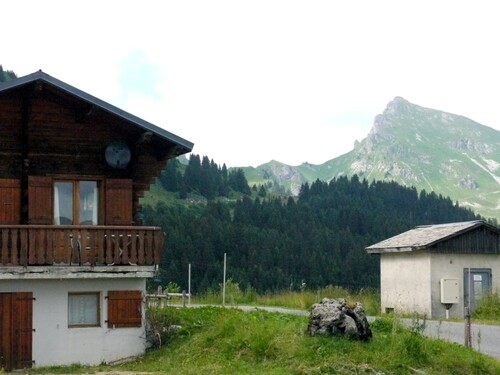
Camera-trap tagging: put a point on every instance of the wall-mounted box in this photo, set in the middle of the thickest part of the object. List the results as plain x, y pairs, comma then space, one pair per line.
449, 290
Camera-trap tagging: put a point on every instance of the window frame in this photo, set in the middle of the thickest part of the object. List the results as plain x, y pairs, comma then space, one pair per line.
98, 310
75, 181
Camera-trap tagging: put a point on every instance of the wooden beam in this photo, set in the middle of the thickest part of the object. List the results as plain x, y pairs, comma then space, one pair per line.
26, 103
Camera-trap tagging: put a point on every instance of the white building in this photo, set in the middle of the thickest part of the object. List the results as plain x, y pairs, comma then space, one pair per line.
434, 268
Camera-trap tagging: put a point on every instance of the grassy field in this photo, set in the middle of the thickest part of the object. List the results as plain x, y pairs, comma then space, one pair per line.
488, 311
214, 340
369, 298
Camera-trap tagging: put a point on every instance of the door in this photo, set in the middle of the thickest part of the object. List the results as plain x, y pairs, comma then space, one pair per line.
16, 330
477, 284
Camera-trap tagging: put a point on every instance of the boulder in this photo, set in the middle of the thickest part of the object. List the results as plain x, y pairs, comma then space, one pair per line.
335, 317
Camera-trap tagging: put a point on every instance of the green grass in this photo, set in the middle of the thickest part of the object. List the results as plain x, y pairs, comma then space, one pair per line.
488, 309
157, 193
487, 312
369, 298
215, 340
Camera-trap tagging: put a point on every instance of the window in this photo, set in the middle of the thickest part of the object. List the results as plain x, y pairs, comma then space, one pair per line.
76, 202
124, 308
83, 309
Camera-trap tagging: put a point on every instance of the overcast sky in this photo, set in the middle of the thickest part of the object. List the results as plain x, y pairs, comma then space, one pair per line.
252, 81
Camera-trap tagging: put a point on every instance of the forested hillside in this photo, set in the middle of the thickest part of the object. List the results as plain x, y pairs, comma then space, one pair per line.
204, 177
273, 243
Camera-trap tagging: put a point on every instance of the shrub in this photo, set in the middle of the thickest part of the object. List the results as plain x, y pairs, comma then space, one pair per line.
489, 307
172, 287
161, 326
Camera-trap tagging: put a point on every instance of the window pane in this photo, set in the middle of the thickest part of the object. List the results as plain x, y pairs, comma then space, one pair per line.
88, 203
83, 309
63, 203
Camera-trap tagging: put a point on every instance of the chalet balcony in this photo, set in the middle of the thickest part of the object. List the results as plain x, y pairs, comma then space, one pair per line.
73, 245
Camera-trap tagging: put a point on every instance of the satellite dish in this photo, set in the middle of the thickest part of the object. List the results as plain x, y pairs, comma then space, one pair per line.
118, 155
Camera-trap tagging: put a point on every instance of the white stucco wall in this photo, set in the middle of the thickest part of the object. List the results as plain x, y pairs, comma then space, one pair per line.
405, 282
56, 344
452, 266
410, 282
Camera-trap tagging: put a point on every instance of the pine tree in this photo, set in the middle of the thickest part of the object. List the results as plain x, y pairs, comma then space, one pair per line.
192, 175
171, 178
238, 182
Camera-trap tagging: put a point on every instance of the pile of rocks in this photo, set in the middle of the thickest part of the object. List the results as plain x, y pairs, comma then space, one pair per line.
336, 317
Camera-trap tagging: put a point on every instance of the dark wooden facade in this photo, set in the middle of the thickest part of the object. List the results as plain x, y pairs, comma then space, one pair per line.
479, 240
50, 131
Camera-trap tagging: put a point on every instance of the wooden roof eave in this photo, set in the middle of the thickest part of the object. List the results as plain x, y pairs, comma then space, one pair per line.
403, 249
179, 145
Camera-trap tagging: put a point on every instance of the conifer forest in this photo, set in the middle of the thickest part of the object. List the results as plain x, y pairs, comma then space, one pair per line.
274, 242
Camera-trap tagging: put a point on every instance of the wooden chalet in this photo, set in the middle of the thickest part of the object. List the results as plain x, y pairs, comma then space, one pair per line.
74, 255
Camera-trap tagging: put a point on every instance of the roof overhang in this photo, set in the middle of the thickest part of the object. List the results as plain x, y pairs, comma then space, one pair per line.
393, 250
181, 145
424, 237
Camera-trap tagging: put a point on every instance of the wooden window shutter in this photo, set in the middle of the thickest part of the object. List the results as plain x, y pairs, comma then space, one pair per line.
40, 200
10, 201
118, 202
124, 308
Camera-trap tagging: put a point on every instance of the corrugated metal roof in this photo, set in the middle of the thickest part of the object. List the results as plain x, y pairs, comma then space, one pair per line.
41, 76
424, 236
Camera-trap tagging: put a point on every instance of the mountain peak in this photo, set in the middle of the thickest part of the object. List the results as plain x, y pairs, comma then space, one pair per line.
415, 146
395, 110
383, 121
396, 105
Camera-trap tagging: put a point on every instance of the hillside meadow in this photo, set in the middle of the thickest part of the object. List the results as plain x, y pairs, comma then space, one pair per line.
217, 340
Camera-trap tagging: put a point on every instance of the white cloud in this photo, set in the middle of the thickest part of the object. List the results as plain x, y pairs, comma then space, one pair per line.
248, 82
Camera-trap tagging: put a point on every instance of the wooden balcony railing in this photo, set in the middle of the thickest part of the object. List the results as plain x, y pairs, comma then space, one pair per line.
38, 245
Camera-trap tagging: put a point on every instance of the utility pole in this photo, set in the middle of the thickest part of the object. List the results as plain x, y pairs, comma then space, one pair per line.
224, 283
189, 284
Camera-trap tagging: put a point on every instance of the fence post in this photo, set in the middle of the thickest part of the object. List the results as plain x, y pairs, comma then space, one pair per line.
468, 328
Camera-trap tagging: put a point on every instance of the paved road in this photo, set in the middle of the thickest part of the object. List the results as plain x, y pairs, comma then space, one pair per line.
485, 338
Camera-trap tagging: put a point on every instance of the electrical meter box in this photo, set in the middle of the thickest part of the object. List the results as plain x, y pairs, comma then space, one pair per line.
449, 290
